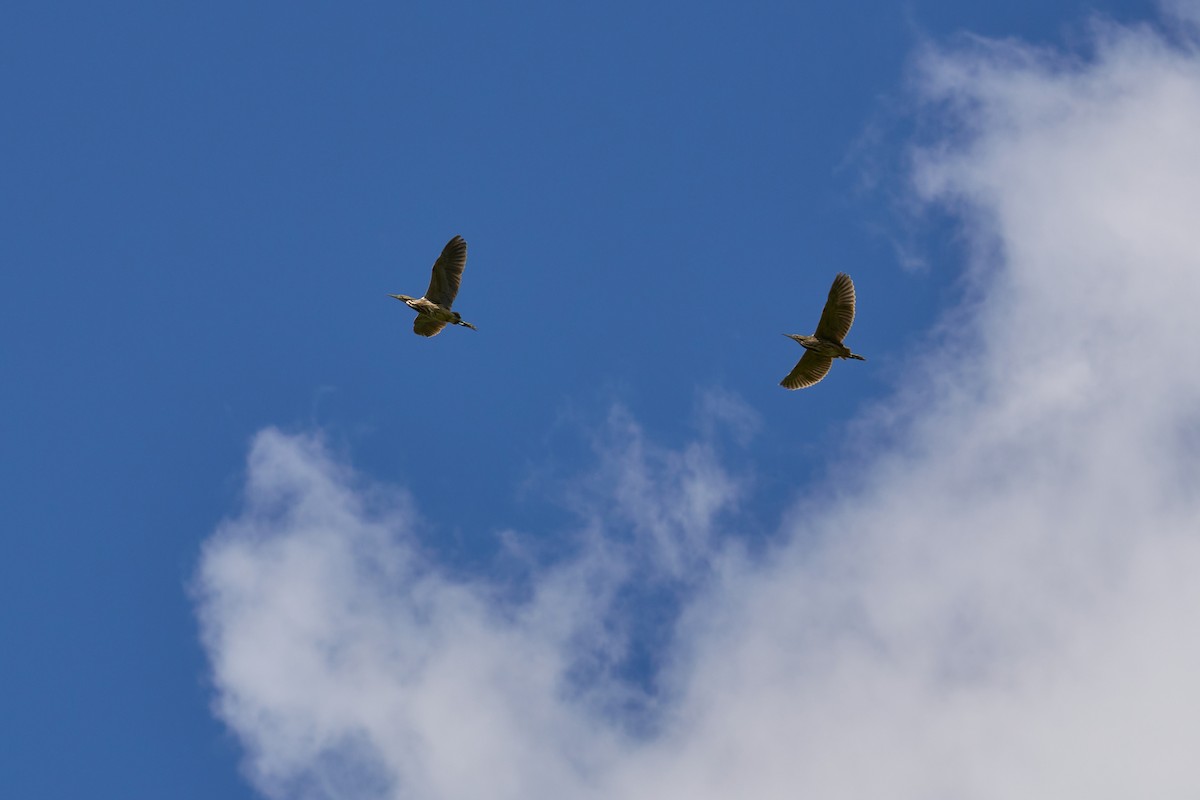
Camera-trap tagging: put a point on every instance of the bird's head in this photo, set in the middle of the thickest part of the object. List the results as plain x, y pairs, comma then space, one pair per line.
403, 297
802, 340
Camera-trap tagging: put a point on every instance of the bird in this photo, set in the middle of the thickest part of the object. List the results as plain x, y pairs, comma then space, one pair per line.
433, 310
825, 344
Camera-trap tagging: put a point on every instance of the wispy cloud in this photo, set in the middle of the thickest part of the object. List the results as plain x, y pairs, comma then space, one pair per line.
1185, 12
1001, 605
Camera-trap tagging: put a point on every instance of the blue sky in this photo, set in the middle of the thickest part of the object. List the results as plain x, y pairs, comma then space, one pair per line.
204, 212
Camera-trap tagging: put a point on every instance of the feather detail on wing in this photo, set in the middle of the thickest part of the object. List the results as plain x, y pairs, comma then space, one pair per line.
810, 369
447, 273
838, 315
425, 325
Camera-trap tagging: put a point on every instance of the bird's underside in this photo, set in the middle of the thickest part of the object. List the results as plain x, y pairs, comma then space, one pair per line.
430, 322
432, 318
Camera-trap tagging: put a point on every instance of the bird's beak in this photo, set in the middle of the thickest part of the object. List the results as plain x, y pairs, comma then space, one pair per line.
395, 296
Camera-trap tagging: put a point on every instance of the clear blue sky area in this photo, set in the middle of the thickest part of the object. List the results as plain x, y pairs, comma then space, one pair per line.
205, 207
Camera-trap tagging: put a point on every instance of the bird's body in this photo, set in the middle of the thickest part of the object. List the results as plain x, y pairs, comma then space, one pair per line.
433, 310
825, 344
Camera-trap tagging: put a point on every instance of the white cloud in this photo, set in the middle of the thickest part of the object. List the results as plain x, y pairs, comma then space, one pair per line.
1001, 605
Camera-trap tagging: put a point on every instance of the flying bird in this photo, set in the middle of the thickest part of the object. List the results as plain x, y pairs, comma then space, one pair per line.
825, 344
433, 310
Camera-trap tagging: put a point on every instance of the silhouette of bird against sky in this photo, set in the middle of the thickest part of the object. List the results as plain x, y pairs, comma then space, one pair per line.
825, 344
433, 310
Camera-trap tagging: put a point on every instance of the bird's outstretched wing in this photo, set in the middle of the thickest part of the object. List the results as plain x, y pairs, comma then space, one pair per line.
838, 315
447, 273
808, 370
425, 325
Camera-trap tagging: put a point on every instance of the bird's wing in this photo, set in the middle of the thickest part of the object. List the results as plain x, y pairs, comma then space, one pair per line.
808, 370
447, 272
425, 325
838, 315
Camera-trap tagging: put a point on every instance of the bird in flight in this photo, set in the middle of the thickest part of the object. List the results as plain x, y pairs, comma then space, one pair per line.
433, 310
825, 344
